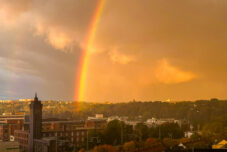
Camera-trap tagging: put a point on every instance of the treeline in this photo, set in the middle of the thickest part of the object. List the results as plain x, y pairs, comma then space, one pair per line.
198, 113
125, 138
117, 133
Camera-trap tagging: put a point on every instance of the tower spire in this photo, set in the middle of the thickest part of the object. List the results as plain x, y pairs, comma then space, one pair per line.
36, 97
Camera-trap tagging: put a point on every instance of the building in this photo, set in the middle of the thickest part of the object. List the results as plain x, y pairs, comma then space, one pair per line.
22, 137
35, 122
45, 145
50, 135
61, 125
9, 146
124, 118
156, 122
25, 100
4, 132
72, 131
95, 124
188, 134
8, 124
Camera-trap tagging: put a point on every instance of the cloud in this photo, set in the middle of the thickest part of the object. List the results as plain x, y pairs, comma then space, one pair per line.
55, 37
14, 8
169, 74
63, 24
59, 40
118, 57
36, 36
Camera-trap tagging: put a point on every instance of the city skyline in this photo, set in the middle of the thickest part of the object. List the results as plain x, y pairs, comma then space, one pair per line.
148, 50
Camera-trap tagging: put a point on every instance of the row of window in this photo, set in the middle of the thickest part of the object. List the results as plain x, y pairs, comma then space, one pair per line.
82, 133
21, 135
77, 139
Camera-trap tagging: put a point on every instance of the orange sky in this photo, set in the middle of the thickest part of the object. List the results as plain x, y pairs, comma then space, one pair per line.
143, 50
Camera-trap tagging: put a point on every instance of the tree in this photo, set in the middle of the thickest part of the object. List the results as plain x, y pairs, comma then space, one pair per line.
81, 150
129, 146
152, 145
127, 133
112, 133
214, 129
195, 136
167, 130
95, 137
117, 132
142, 131
104, 148
201, 144
170, 143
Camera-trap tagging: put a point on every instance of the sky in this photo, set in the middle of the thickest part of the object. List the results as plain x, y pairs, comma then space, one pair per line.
144, 50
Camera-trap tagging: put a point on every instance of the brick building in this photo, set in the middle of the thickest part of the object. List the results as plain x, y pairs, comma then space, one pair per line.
51, 135
4, 132
22, 137
8, 124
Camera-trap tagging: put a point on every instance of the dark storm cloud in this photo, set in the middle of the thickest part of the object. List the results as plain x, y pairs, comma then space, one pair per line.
36, 64
32, 34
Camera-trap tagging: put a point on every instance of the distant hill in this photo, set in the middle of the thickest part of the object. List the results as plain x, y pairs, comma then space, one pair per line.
198, 112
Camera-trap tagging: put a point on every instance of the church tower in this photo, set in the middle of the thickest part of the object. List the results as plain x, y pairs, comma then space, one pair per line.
35, 122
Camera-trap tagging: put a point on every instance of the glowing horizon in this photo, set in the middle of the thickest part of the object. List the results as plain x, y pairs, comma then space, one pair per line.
83, 63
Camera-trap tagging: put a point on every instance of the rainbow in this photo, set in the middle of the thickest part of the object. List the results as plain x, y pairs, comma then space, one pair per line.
83, 63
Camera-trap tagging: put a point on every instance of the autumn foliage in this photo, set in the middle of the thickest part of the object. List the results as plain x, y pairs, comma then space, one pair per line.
129, 146
104, 148
152, 145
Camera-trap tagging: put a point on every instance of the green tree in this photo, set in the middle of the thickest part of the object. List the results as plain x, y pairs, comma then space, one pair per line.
167, 130
95, 137
142, 131
214, 129
113, 132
